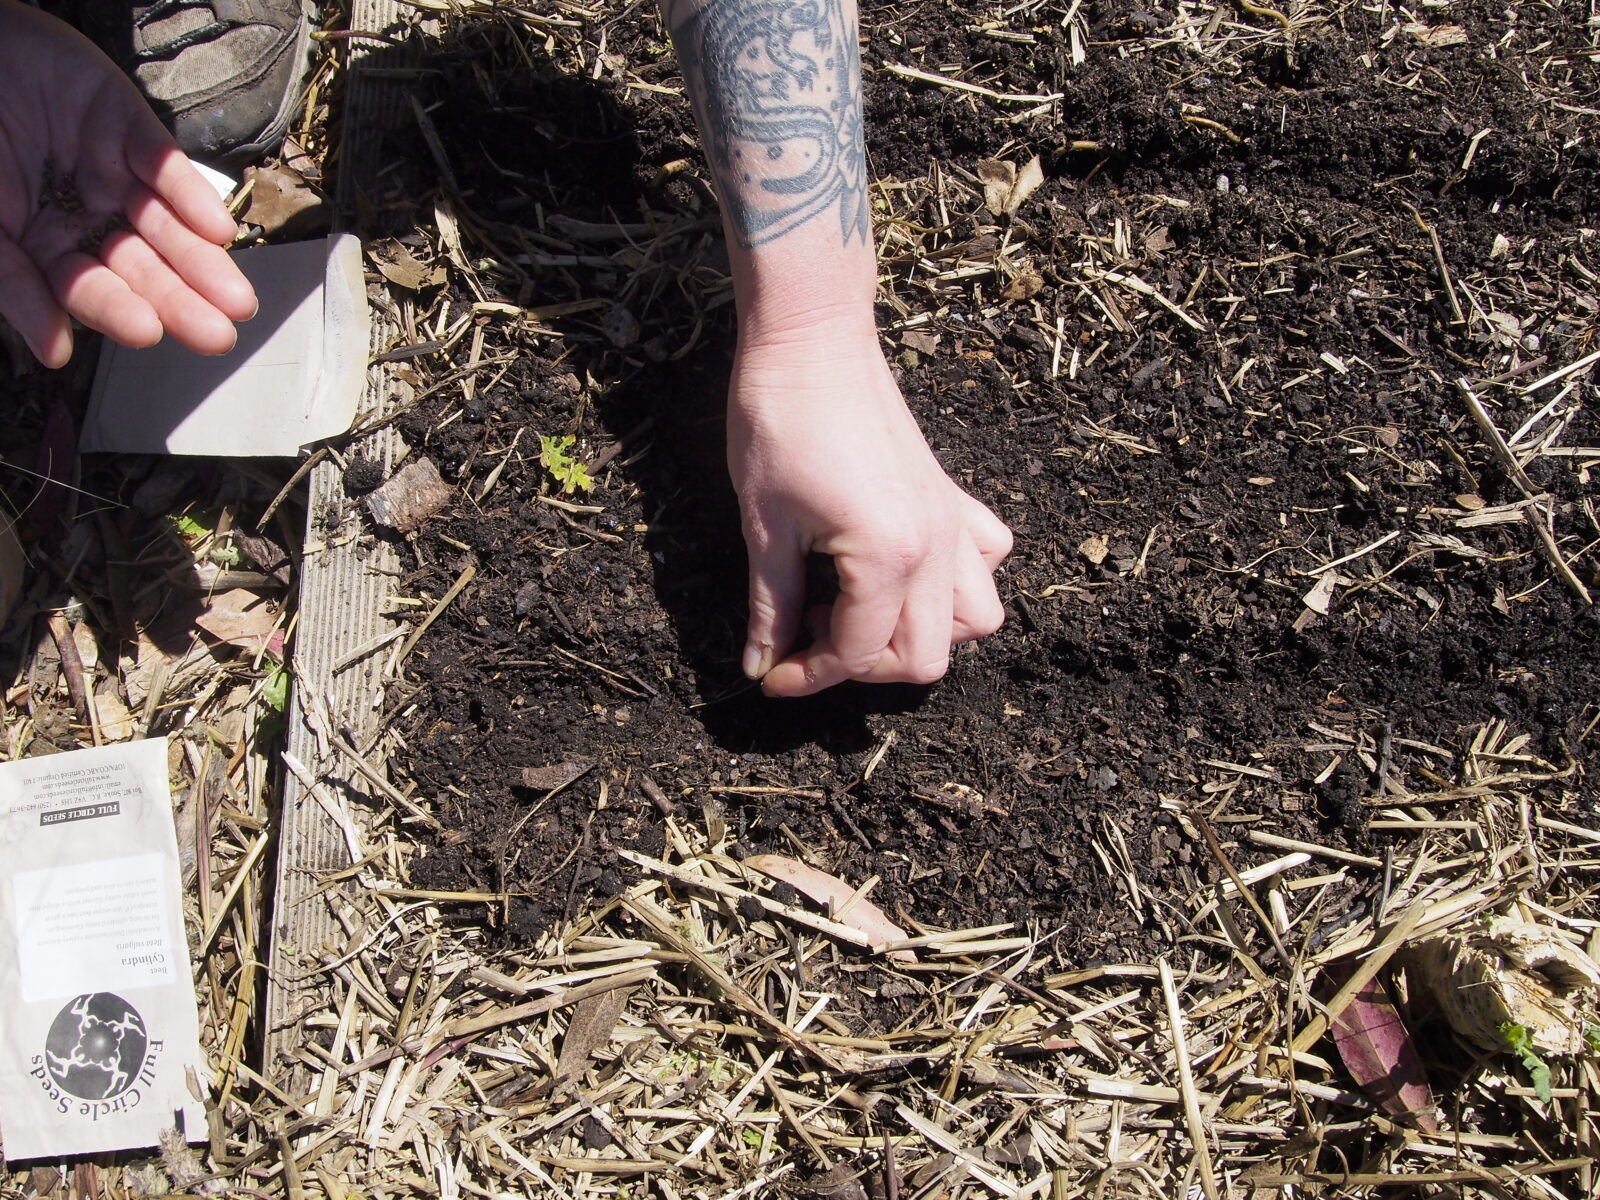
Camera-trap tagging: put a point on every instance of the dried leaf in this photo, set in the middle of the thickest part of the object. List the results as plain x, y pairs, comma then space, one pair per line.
1377, 1050
281, 202
998, 178
1028, 181
1437, 35
241, 618
593, 1020
1158, 240
548, 779
404, 269
838, 1182
1005, 187
450, 232
920, 341
831, 892
621, 327
1024, 285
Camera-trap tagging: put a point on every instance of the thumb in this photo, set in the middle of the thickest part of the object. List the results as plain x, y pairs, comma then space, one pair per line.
777, 596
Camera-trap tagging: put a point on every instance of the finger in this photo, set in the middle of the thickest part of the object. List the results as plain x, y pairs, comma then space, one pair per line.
989, 532
27, 303
204, 267
183, 313
777, 597
977, 610
861, 626
167, 171
920, 649
99, 297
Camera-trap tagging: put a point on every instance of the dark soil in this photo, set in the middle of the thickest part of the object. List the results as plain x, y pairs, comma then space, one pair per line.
1218, 467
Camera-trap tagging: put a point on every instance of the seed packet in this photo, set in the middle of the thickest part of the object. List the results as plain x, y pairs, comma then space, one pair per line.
99, 1035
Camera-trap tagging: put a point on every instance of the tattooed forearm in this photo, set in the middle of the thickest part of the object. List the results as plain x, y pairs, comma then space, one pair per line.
777, 87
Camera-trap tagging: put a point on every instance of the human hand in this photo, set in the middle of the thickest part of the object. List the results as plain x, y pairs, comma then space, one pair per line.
102, 217
826, 457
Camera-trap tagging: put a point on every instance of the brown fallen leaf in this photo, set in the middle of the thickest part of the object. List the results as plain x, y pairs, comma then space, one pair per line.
282, 202
402, 268
1437, 35
831, 892
1377, 1050
1005, 186
240, 618
998, 177
1030, 176
1024, 285
593, 1020
548, 779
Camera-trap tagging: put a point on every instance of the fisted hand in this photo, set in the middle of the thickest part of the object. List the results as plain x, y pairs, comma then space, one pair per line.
826, 458
102, 217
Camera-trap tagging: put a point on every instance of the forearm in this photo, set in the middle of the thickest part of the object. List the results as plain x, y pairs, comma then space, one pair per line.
776, 86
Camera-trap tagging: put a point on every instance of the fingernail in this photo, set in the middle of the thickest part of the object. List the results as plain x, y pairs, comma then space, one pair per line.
757, 660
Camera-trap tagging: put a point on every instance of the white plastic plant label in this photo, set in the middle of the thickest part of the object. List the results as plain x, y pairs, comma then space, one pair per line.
99, 1035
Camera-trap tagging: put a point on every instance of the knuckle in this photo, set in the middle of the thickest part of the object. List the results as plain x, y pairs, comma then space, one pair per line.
902, 556
990, 618
1004, 541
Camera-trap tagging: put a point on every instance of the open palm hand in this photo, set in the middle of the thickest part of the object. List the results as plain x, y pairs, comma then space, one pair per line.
102, 217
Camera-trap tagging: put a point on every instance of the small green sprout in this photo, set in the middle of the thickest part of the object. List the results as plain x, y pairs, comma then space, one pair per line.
194, 532
1591, 1036
189, 528
555, 453
275, 692
1521, 1043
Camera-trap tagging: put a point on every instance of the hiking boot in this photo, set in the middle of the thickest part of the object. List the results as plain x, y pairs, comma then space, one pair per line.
224, 75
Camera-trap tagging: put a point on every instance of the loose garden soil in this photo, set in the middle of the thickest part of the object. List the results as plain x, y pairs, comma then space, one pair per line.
1215, 352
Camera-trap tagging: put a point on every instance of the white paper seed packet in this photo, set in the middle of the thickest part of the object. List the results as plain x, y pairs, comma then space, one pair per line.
98, 1028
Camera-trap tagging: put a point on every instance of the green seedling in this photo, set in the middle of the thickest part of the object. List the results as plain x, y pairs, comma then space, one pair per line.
1591, 1037
1521, 1043
189, 528
194, 532
275, 692
555, 453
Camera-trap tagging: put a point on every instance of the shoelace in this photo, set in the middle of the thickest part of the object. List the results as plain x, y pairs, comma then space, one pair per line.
165, 8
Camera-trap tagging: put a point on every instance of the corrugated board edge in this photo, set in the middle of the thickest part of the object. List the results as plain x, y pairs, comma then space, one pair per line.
345, 578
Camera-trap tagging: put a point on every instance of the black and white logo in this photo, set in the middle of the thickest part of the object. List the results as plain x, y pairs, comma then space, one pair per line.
96, 1046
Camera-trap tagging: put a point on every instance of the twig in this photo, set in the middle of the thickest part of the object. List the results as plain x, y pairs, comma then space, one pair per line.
962, 86
438, 609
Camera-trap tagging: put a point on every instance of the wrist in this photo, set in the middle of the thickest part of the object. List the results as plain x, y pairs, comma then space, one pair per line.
808, 326
804, 287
